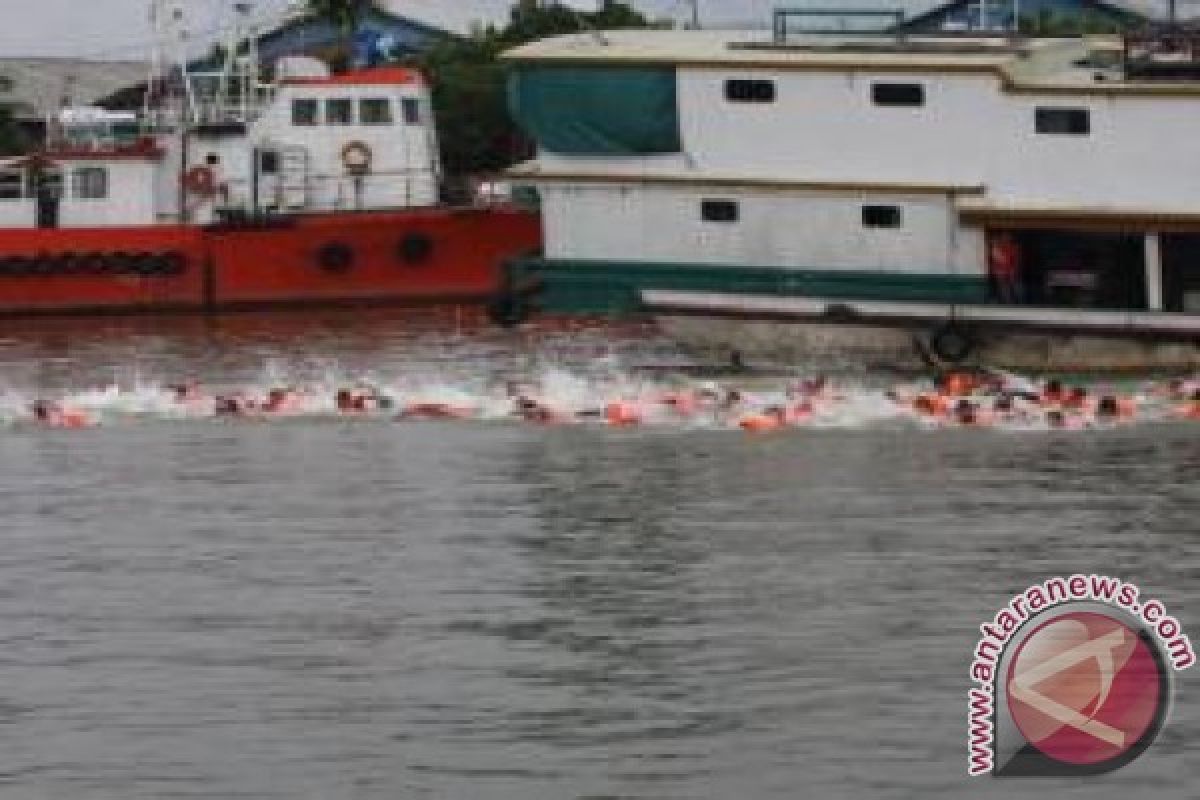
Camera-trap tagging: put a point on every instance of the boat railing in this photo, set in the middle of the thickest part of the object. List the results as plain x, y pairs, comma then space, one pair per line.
833, 21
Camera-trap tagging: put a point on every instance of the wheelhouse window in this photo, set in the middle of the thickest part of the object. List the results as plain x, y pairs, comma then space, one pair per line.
375, 111
304, 112
90, 183
749, 91
719, 211
339, 111
1063, 121
411, 108
12, 184
898, 94
881, 217
268, 162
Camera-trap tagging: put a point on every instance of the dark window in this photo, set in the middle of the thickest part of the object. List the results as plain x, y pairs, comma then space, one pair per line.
898, 94
375, 111
719, 211
90, 183
212, 159
12, 184
339, 111
741, 91
1065, 121
268, 162
881, 216
411, 108
304, 112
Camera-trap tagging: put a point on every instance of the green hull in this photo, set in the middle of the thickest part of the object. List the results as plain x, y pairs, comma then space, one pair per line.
613, 287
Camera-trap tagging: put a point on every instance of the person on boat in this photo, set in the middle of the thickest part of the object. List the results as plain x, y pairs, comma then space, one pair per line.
958, 383
57, 415
1004, 268
282, 401
1190, 409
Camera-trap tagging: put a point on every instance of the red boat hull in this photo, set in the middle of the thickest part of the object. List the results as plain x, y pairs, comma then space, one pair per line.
421, 255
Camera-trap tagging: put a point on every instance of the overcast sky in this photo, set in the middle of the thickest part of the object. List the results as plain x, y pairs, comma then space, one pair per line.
119, 28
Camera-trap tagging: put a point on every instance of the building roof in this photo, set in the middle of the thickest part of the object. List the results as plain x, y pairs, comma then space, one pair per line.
35, 87
1043, 66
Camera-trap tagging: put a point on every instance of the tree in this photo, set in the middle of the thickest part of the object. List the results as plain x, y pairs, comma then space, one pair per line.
477, 132
344, 15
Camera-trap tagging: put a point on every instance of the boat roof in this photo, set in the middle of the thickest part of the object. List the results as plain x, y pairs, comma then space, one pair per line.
1071, 65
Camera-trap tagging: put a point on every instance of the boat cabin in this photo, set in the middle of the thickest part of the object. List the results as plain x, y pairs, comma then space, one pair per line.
317, 143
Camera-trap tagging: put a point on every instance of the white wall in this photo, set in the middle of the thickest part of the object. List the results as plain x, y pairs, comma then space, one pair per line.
18, 213
130, 198
800, 230
1142, 152
405, 167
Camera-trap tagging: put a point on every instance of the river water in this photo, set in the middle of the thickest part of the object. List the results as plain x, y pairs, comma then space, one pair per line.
330, 608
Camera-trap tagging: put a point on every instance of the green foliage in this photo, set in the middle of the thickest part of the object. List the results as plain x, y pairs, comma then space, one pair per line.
477, 133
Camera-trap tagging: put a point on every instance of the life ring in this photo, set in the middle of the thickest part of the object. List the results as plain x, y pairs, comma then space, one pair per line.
415, 248
357, 158
200, 181
335, 257
952, 344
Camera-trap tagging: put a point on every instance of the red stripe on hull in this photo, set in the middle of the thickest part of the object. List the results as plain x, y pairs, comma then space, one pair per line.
370, 257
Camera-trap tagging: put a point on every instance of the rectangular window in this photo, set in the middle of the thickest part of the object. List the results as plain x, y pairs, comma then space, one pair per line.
898, 94
339, 111
375, 111
304, 113
268, 162
411, 107
881, 216
12, 185
90, 183
1064, 121
719, 211
745, 91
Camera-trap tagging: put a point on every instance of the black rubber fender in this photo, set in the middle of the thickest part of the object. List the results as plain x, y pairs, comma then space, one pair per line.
952, 343
415, 248
335, 257
508, 310
173, 262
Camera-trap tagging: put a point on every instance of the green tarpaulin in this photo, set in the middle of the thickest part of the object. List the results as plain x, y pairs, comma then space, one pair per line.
597, 110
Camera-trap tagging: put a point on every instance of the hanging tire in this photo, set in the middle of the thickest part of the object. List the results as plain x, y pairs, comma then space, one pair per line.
335, 257
92, 264
118, 263
144, 264
952, 344
67, 264
173, 262
415, 248
507, 310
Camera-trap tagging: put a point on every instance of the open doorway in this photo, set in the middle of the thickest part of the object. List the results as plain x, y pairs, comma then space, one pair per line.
46, 187
1068, 269
1181, 272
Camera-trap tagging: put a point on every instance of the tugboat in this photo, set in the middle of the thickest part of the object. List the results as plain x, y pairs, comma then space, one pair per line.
229, 191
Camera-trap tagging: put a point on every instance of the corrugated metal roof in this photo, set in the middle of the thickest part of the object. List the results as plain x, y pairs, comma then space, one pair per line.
35, 87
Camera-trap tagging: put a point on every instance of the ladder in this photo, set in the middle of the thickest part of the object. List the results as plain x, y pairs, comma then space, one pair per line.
293, 177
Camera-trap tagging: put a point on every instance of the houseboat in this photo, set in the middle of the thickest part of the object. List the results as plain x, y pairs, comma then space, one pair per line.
233, 190
984, 197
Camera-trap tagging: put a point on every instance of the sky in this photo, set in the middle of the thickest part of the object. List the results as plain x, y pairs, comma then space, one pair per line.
117, 29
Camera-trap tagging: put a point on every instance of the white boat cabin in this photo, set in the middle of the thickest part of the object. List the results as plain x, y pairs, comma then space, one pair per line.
359, 141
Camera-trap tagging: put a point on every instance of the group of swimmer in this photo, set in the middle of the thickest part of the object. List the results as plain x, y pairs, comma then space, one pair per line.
971, 399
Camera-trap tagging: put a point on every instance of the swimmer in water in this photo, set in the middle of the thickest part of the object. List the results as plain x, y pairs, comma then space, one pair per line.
54, 415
